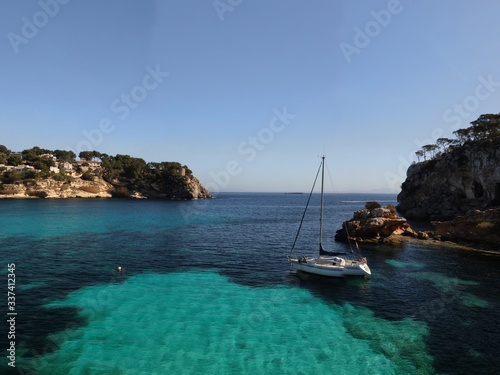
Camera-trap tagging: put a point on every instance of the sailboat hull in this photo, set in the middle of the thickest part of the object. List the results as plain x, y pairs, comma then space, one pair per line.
326, 265
330, 266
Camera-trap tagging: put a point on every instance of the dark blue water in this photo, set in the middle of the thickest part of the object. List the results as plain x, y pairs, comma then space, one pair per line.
205, 288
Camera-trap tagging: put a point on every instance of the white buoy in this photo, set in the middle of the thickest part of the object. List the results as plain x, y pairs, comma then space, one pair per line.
119, 269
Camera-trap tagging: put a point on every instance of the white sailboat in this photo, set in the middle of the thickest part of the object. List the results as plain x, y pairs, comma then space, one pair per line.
327, 263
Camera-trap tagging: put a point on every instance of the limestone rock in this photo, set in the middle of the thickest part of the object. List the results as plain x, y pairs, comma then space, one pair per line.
374, 224
478, 226
181, 187
460, 180
13, 190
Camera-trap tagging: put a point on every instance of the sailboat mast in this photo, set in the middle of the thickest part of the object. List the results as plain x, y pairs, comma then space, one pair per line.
321, 208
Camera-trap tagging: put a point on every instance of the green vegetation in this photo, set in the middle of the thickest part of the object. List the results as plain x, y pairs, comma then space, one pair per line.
11, 177
14, 160
392, 209
486, 225
4, 154
137, 171
90, 155
36, 163
62, 177
371, 205
485, 129
62, 156
88, 176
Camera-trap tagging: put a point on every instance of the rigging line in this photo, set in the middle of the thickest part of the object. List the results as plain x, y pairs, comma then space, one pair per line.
358, 253
305, 210
344, 225
330, 177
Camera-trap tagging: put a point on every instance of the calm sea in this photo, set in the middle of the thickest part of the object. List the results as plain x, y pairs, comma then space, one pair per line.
205, 288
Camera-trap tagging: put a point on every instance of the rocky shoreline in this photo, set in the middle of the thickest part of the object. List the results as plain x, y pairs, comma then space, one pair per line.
383, 226
457, 185
377, 225
182, 188
477, 227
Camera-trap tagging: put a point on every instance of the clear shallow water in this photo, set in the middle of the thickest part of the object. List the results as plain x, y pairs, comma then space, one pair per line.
205, 288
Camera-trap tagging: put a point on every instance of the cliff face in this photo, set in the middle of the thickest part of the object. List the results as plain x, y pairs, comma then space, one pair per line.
453, 184
373, 225
479, 226
175, 188
50, 188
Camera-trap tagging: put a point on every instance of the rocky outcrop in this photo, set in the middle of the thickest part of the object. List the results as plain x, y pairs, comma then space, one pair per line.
50, 188
461, 180
479, 227
374, 225
173, 187
180, 187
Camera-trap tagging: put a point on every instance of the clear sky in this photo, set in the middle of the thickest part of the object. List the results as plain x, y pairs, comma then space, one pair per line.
248, 93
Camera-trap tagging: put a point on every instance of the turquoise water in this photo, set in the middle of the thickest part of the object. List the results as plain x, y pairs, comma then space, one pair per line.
199, 322
205, 289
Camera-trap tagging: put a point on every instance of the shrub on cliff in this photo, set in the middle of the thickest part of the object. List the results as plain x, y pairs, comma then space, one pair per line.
14, 160
392, 209
372, 205
123, 166
12, 176
88, 176
485, 129
58, 177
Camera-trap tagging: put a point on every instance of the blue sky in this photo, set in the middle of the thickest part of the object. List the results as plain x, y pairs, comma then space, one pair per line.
248, 93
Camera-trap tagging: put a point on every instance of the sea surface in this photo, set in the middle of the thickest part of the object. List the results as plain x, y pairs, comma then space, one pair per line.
205, 288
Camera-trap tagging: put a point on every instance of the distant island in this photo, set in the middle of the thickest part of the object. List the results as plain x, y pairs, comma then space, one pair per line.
42, 173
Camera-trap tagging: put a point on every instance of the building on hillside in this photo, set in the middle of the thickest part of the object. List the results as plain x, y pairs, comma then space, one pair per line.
66, 166
48, 156
89, 164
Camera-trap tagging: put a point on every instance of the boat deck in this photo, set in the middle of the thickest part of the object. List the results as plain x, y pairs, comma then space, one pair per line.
331, 266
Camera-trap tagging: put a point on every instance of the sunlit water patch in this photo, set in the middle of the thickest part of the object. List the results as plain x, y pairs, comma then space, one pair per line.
400, 264
456, 287
471, 300
443, 282
32, 285
199, 322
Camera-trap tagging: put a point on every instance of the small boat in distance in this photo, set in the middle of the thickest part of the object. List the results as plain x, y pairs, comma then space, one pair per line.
327, 263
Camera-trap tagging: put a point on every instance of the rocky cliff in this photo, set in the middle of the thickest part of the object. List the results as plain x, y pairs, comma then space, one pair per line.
461, 180
374, 225
478, 226
174, 188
